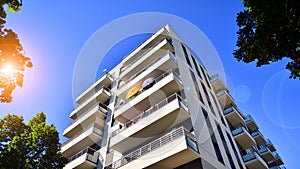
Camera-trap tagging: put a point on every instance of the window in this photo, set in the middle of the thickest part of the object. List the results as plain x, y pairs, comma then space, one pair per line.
186, 55
207, 120
204, 88
230, 161
218, 108
213, 137
208, 99
196, 66
234, 150
222, 138
196, 87
205, 76
240, 165
221, 133
231, 142
210, 106
218, 152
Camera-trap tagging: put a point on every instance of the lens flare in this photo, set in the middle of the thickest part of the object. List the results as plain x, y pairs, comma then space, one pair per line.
7, 70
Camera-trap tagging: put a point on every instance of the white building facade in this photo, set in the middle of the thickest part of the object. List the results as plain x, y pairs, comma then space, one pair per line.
160, 108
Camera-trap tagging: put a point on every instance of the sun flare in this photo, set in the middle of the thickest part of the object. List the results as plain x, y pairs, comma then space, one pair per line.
7, 70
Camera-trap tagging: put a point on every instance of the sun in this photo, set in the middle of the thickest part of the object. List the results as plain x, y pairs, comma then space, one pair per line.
7, 70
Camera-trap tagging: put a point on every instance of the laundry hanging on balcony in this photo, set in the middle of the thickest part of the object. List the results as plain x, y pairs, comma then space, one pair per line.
133, 91
148, 83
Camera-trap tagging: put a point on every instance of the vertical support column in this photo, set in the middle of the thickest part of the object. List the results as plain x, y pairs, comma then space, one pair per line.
105, 139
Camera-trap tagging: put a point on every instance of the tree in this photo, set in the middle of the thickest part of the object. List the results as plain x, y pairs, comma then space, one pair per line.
31, 146
12, 56
268, 32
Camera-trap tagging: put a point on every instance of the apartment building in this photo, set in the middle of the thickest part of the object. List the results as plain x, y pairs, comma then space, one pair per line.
160, 108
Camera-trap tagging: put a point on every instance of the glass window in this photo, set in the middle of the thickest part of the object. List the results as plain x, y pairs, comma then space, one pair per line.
186, 55
196, 87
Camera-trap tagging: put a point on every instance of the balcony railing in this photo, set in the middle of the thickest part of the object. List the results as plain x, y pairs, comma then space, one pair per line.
102, 107
97, 129
156, 80
250, 154
249, 157
80, 96
144, 53
96, 90
144, 69
231, 109
268, 142
239, 130
276, 155
92, 155
248, 118
263, 149
167, 138
223, 92
274, 165
214, 78
152, 109
256, 133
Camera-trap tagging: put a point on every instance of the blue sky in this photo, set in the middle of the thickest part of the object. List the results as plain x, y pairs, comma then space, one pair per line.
54, 32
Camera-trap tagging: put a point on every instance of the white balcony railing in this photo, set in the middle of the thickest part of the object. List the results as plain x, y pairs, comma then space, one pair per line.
86, 105
92, 155
149, 65
214, 78
102, 108
144, 53
97, 129
92, 89
166, 139
105, 88
151, 110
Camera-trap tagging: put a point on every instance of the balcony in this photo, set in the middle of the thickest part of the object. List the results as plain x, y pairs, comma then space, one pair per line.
105, 80
163, 63
163, 152
101, 95
152, 122
225, 99
258, 137
149, 43
164, 85
96, 114
250, 123
86, 159
145, 58
90, 135
234, 116
278, 159
254, 161
217, 83
266, 154
243, 137
274, 165
270, 145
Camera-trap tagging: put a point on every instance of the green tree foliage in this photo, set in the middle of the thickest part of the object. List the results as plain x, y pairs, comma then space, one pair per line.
31, 146
270, 31
12, 56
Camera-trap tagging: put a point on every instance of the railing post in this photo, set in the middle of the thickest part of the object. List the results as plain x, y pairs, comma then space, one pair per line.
140, 152
160, 143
